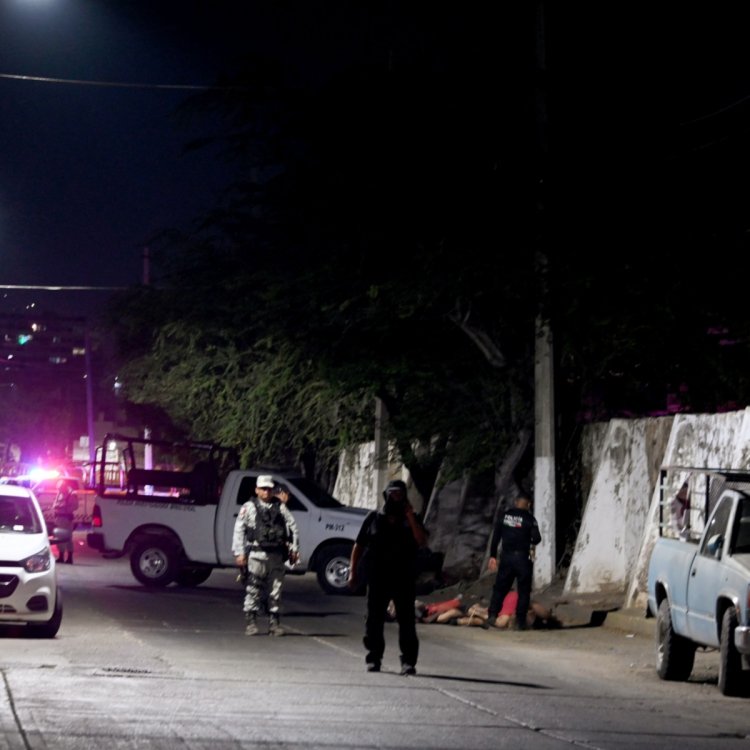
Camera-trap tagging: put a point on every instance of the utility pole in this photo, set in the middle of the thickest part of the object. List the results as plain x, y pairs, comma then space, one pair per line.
544, 404
544, 456
381, 449
148, 449
90, 402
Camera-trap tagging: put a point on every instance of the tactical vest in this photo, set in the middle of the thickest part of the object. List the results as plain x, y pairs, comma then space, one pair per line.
270, 533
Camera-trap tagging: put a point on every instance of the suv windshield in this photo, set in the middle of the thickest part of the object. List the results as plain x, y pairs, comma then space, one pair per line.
17, 514
318, 496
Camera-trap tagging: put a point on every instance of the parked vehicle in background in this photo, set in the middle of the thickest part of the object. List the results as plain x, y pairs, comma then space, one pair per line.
176, 524
699, 574
29, 592
22, 480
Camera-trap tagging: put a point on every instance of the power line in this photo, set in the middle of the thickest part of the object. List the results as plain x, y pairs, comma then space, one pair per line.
44, 288
121, 84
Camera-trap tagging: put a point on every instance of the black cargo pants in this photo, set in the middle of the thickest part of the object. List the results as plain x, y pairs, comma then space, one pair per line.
513, 566
380, 591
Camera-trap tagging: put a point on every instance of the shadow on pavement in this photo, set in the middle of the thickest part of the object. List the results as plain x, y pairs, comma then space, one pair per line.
483, 681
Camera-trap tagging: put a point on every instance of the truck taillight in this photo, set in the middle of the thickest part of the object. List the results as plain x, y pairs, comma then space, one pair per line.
96, 517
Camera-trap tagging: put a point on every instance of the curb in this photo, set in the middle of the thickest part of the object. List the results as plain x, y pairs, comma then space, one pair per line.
631, 621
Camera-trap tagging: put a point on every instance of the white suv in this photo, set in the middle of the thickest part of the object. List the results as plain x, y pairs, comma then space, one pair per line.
29, 593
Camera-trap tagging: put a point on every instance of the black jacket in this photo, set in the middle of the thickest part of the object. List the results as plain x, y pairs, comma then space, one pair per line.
390, 548
516, 530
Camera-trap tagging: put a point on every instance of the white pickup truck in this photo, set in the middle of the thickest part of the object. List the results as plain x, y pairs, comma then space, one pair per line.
177, 525
699, 580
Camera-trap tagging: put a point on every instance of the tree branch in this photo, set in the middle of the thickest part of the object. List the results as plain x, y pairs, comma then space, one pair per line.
484, 343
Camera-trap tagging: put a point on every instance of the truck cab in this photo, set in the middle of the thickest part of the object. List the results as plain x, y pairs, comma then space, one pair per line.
327, 528
699, 577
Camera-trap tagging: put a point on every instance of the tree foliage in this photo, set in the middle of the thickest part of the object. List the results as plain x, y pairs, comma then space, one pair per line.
381, 239
374, 244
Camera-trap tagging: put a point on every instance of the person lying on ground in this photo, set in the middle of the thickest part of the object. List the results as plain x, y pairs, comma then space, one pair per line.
454, 612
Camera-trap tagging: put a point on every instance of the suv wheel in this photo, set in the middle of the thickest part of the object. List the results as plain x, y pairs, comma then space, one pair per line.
48, 629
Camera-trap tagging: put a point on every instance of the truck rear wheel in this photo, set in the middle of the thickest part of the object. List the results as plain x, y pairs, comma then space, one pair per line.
675, 655
154, 562
332, 568
731, 677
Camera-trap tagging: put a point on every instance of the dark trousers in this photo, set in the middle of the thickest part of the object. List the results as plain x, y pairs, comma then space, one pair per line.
513, 566
379, 593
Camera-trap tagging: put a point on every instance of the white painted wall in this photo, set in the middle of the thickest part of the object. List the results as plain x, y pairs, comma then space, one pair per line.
615, 512
620, 520
357, 482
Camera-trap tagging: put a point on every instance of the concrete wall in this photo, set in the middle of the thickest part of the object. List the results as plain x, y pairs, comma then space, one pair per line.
623, 476
355, 482
620, 522
621, 461
358, 475
459, 522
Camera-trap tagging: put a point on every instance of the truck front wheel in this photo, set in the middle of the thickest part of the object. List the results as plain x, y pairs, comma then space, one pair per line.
332, 569
154, 562
675, 655
731, 677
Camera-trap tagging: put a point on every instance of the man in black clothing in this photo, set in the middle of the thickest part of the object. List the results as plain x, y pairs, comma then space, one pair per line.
391, 538
516, 532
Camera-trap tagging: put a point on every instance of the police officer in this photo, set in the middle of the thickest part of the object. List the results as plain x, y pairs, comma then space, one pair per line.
265, 536
516, 532
389, 539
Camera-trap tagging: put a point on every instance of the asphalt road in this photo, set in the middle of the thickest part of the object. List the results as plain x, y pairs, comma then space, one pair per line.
168, 669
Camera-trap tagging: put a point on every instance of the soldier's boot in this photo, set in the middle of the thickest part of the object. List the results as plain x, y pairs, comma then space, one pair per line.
251, 626
274, 627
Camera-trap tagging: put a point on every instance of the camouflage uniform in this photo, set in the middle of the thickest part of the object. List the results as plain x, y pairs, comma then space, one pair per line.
63, 510
266, 545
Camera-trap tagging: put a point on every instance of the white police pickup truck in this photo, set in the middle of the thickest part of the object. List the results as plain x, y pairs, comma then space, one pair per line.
176, 524
699, 580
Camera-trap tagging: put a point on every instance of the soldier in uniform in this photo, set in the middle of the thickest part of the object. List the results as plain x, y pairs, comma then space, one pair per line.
64, 507
265, 537
516, 533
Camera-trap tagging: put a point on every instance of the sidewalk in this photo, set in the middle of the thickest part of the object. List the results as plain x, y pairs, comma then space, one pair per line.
631, 620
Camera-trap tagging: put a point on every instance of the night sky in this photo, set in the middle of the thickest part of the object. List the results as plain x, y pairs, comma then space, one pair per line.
89, 173
648, 110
